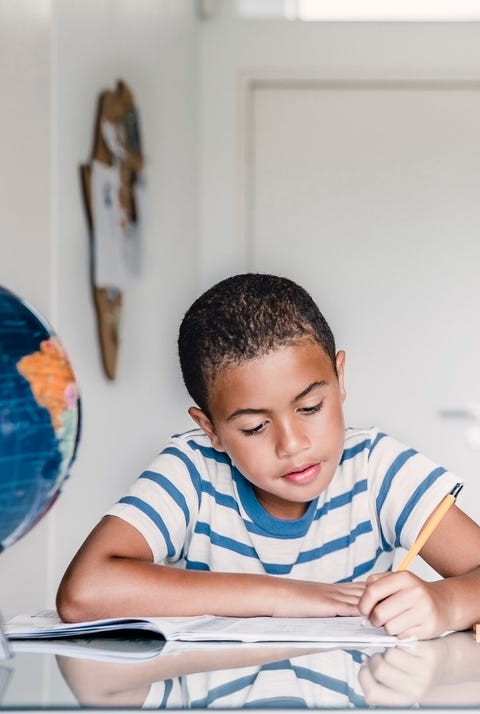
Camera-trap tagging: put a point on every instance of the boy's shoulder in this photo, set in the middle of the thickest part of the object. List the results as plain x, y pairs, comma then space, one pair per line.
190, 437
357, 435
374, 443
370, 440
196, 445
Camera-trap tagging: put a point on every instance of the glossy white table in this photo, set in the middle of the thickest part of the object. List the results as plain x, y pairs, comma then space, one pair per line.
440, 675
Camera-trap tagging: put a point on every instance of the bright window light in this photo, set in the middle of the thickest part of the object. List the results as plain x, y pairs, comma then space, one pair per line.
453, 10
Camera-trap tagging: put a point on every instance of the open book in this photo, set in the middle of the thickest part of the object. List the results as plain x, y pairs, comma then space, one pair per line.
207, 628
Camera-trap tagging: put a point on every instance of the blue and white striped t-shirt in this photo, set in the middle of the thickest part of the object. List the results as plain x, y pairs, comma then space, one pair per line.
197, 511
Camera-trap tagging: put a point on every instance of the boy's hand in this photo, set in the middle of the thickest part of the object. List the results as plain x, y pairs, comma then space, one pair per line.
300, 598
405, 605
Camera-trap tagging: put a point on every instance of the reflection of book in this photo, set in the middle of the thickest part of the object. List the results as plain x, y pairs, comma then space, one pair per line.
4, 646
207, 628
107, 646
5, 674
140, 646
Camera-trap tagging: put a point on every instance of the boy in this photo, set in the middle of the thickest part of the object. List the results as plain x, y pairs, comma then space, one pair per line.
271, 507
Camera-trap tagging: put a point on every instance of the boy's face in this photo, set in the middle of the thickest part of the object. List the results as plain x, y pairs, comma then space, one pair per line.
280, 419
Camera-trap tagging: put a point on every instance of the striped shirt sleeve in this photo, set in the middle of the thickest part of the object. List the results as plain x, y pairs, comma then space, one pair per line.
406, 488
163, 503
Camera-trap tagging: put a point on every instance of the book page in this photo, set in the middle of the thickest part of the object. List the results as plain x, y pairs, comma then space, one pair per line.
47, 623
283, 629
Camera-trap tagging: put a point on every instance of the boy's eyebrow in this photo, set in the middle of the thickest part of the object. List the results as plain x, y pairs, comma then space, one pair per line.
307, 390
310, 387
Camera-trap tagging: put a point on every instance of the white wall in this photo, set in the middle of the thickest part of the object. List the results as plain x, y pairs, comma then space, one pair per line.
232, 49
26, 170
56, 56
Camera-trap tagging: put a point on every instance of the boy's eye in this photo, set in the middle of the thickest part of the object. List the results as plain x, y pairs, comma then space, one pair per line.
312, 410
255, 430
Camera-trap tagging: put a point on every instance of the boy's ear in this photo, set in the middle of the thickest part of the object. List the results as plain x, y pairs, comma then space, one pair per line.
203, 421
340, 364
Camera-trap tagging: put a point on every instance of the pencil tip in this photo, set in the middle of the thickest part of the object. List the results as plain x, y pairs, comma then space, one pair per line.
456, 489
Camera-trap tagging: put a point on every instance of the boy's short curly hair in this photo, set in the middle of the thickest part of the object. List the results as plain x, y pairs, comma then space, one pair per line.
243, 317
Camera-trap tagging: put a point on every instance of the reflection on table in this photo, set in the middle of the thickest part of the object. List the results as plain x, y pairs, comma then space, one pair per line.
141, 672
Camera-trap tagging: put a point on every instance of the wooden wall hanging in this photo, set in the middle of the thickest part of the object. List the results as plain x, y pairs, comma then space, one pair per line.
112, 184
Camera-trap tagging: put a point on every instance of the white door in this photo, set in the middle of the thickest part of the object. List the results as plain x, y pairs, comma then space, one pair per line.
368, 194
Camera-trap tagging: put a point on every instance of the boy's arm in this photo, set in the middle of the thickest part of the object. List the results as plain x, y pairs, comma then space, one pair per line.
410, 607
113, 575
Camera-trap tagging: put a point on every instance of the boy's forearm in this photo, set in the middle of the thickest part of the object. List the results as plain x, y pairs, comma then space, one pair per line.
120, 587
461, 596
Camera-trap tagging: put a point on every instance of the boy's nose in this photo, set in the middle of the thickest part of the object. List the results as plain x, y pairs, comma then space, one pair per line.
291, 439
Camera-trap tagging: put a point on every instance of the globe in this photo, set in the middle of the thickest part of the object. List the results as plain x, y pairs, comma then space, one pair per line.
39, 417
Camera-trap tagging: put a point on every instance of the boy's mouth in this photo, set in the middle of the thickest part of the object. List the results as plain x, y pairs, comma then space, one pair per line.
303, 475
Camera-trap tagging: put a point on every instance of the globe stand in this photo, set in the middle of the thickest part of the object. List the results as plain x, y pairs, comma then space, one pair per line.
5, 650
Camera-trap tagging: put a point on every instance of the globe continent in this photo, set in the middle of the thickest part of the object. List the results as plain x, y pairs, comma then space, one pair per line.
39, 417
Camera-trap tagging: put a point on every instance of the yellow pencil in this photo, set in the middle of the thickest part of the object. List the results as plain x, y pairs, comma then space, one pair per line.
430, 526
